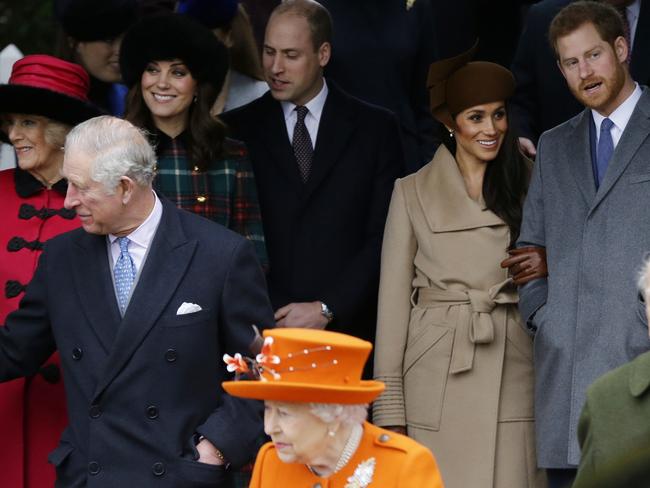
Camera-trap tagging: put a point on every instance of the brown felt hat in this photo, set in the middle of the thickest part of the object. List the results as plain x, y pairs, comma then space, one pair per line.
456, 84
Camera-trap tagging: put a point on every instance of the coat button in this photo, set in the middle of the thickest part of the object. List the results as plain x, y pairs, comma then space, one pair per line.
94, 467
158, 468
152, 412
384, 438
95, 411
77, 353
201, 199
171, 355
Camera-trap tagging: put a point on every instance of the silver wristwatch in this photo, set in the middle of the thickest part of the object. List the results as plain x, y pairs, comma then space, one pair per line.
326, 312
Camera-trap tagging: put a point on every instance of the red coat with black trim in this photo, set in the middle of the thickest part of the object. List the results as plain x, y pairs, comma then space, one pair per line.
32, 411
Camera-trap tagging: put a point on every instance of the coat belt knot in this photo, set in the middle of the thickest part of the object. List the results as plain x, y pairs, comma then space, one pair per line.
475, 324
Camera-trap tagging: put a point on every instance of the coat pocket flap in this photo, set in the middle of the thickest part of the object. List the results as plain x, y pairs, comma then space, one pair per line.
425, 341
60, 454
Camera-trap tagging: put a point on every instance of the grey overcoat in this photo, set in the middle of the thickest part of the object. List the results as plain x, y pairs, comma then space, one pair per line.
587, 315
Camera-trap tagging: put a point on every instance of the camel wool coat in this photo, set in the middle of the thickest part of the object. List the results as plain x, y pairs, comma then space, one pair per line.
450, 345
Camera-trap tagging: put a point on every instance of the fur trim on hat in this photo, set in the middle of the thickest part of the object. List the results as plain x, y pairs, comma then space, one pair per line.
164, 37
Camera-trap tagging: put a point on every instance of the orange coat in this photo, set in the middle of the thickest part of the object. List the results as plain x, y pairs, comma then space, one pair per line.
400, 462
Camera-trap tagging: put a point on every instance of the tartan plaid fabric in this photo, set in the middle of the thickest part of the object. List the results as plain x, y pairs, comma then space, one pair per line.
225, 192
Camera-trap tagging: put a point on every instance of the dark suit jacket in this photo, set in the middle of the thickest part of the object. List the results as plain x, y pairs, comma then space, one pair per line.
614, 431
542, 99
138, 388
324, 237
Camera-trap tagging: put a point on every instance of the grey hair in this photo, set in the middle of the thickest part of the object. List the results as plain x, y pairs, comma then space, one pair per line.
643, 279
55, 132
333, 412
117, 148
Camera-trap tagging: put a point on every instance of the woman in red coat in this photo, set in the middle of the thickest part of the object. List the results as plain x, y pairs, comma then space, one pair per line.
44, 98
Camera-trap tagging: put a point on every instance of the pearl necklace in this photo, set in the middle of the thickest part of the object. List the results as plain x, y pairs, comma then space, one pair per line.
348, 450
350, 447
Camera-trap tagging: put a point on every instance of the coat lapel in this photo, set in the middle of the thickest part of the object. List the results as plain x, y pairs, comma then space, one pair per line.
580, 164
166, 265
335, 130
276, 141
635, 133
442, 194
640, 376
94, 285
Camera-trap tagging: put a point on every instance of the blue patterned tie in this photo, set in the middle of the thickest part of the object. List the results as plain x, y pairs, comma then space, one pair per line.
605, 148
124, 272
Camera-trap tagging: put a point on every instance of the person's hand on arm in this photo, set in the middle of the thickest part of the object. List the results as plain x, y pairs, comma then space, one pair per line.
526, 264
306, 315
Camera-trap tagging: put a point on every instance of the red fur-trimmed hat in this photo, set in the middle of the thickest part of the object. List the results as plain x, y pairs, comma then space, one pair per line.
44, 85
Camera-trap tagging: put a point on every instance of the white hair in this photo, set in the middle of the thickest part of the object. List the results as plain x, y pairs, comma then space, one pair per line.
333, 412
117, 149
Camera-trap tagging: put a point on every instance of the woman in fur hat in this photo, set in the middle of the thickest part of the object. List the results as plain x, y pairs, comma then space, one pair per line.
44, 98
93, 32
175, 68
315, 409
450, 345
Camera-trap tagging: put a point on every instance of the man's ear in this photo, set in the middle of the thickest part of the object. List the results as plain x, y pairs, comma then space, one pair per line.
621, 49
559, 66
126, 185
324, 54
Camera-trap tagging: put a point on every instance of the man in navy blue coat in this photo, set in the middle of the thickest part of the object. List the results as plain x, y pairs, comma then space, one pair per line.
142, 303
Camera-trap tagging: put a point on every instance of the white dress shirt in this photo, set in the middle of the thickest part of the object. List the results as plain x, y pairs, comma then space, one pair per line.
620, 116
312, 120
140, 238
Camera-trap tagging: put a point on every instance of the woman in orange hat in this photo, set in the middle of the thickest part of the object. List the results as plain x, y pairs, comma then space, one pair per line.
450, 344
315, 410
44, 98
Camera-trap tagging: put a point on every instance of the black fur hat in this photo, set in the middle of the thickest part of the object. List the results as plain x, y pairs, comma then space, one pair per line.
167, 36
95, 20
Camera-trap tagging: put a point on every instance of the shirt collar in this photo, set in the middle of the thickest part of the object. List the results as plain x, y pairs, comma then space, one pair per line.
623, 112
634, 8
143, 235
315, 105
27, 185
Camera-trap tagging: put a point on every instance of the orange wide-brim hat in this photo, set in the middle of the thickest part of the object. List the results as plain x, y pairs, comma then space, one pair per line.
305, 365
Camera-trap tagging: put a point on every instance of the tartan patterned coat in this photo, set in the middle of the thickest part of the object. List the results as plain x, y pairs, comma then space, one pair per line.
224, 193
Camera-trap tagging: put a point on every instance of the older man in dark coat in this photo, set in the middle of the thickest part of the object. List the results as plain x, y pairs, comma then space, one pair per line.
142, 303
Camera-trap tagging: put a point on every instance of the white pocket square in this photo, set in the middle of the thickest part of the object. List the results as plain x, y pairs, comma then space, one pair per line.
186, 308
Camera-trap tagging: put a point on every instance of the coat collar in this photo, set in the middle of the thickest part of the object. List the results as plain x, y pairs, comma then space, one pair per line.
640, 377
26, 185
442, 194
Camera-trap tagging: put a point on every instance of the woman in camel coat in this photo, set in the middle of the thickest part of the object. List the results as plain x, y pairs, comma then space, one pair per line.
451, 349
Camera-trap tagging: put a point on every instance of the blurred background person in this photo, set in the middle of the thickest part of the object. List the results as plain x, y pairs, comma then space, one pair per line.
175, 68
315, 410
44, 98
231, 24
92, 33
450, 345
381, 50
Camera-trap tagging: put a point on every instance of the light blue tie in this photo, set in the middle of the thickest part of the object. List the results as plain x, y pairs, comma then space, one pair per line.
124, 272
605, 148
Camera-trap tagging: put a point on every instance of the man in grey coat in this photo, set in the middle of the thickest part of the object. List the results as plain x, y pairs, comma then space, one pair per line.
588, 207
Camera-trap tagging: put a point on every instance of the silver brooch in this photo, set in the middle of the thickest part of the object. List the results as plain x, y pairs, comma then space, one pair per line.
362, 476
